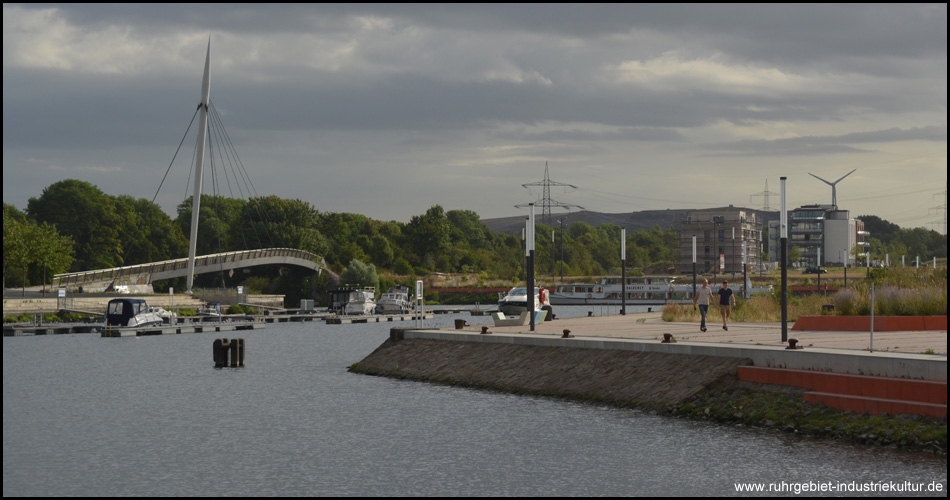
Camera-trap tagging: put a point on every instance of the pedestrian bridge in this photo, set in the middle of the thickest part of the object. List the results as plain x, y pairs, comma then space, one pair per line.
146, 274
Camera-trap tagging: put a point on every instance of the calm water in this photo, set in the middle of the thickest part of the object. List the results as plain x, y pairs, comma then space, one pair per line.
88, 416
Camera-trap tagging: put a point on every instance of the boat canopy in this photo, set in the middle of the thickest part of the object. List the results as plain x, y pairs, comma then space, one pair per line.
120, 311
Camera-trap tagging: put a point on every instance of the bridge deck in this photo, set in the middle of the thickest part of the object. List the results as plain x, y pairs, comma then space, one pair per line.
144, 274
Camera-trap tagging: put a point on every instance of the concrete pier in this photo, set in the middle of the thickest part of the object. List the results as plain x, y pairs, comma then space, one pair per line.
624, 360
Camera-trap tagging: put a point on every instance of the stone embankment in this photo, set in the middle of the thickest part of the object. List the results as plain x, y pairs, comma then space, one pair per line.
625, 378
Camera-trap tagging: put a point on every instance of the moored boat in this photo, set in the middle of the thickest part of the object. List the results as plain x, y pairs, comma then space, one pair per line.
640, 290
209, 309
131, 313
395, 301
515, 301
349, 300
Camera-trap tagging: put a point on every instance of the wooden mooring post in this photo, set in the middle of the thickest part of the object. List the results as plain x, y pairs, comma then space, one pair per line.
228, 353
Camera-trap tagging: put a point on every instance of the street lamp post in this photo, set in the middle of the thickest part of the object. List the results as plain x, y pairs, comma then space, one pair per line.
694, 265
783, 244
561, 221
623, 272
734, 254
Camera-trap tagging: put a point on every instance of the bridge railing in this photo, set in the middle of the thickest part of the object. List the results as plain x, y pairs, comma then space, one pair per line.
115, 273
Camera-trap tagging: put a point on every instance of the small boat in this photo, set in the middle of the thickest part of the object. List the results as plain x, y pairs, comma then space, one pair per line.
515, 301
167, 316
209, 309
396, 300
131, 313
350, 300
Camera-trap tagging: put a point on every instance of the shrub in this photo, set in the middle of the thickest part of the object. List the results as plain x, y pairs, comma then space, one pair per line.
846, 302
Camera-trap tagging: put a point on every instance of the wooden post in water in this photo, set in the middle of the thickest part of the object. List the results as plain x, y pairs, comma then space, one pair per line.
228, 353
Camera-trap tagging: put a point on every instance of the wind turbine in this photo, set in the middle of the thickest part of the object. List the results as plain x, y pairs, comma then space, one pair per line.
834, 194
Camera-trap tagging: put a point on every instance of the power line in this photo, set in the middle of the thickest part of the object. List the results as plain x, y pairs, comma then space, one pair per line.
546, 201
766, 193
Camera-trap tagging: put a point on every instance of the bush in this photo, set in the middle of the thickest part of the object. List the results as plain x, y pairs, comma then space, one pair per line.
846, 302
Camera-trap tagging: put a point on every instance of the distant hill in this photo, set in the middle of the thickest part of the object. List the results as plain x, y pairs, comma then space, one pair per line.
632, 221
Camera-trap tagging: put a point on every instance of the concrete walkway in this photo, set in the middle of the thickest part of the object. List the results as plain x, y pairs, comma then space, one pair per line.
650, 326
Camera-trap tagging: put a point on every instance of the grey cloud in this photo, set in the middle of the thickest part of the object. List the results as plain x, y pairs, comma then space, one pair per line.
822, 145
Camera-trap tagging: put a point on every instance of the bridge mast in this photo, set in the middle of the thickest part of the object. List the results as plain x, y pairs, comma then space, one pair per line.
196, 199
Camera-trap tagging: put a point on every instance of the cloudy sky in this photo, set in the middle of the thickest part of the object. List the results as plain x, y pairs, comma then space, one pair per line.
386, 110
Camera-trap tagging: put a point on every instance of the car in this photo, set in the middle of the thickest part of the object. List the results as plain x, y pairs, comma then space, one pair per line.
814, 270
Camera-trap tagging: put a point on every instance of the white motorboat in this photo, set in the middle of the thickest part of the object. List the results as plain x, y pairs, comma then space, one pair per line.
131, 313
395, 301
515, 301
353, 300
209, 309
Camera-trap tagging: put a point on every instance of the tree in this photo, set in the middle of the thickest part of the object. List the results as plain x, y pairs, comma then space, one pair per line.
360, 274
84, 213
428, 235
51, 252
17, 253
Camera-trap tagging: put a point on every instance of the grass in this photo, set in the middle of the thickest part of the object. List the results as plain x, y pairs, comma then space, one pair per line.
758, 309
897, 292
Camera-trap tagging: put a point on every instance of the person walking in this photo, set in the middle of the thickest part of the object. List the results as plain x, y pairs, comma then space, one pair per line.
703, 298
726, 301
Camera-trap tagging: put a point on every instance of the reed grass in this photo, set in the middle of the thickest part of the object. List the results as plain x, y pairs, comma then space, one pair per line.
895, 294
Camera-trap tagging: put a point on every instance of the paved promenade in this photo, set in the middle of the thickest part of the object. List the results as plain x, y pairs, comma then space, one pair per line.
650, 326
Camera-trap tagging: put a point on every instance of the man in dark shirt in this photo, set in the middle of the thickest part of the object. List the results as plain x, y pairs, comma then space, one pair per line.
726, 301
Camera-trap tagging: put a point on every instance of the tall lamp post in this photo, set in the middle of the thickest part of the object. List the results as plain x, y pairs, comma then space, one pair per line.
561, 221
529, 255
745, 266
623, 272
783, 251
694, 266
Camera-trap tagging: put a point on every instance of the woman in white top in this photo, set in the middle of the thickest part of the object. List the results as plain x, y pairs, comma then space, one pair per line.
703, 297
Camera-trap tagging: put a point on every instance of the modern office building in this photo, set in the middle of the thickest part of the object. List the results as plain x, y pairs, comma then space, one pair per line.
823, 234
720, 234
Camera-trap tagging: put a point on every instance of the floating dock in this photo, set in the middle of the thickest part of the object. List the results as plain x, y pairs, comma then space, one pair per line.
179, 329
346, 320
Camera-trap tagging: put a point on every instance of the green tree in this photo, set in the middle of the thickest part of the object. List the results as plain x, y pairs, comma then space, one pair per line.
359, 273
17, 251
52, 253
427, 236
85, 214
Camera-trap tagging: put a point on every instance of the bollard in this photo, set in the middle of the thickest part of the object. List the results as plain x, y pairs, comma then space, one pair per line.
237, 352
566, 334
485, 330
590, 313
668, 339
459, 324
793, 344
220, 349
228, 353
